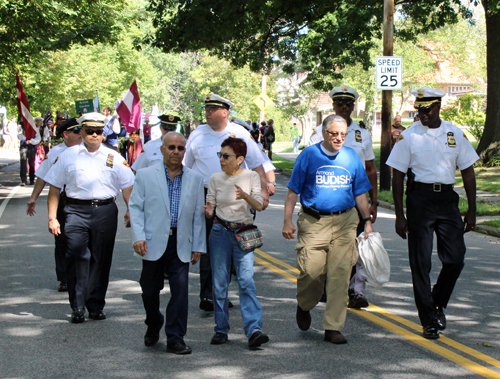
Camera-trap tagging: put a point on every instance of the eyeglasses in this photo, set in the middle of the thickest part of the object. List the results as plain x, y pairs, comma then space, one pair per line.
75, 130
225, 156
211, 108
425, 109
336, 134
340, 103
179, 147
92, 131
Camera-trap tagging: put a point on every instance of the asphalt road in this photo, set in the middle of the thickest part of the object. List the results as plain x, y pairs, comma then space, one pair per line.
38, 341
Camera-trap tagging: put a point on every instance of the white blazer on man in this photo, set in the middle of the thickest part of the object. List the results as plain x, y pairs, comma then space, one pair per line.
150, 213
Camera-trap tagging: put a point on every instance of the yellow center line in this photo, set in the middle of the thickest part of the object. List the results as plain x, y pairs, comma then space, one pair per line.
430, 345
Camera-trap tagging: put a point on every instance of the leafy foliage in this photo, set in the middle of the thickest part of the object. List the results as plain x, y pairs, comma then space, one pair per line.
467, 110
322, 37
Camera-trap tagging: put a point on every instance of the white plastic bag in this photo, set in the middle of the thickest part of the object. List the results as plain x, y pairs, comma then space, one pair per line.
374, 259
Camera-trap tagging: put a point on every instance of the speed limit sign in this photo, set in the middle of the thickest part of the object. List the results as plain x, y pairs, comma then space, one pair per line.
389, 73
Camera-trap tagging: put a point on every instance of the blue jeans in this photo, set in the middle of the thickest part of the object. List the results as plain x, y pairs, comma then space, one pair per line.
223, 245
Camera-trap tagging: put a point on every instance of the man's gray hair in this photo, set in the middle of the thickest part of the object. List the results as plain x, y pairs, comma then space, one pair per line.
331, 119
169, 134
38, 118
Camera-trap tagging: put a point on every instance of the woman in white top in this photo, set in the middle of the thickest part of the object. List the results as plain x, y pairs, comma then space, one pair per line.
233, 192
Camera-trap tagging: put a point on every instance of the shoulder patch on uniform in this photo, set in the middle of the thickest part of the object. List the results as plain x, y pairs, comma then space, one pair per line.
47, 157
451, 139
125, 163
400, 138
56, 160
313, 133
465, 136
142, 149
358, 136
232, 135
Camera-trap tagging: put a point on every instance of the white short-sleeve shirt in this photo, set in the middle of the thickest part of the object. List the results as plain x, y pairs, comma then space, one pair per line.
49, 160
90, 176
432, 154
150, 156
204, 144
357, 138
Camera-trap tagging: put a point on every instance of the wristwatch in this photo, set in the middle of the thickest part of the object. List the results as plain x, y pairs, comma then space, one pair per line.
375, 202
273, 183
367, 219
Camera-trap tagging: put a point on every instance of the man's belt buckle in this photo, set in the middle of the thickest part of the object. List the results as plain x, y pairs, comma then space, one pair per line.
94, 203
436, 187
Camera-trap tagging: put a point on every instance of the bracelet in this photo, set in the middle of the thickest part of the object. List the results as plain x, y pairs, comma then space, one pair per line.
272, 182
367, 219
52, 219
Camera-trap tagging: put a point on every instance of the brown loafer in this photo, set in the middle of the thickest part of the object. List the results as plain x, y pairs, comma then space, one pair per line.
334, 336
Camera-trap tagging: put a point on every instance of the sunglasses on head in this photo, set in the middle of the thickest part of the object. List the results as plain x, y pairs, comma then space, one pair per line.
225, 156
179, 147
92, 131
340, 103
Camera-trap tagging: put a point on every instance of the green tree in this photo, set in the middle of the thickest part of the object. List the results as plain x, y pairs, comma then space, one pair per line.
322, 37
467, 110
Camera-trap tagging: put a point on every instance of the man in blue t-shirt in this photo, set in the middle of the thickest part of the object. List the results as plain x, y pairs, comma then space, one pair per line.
331, 181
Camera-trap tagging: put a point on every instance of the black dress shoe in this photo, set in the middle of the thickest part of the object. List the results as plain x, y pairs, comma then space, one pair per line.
178, 348
357, 301
440, 318
207, 305
334, 336
218, 339
230, 304
63, 287
97, 315
303, 319
257, 339
152, 336
78, 315
431, 332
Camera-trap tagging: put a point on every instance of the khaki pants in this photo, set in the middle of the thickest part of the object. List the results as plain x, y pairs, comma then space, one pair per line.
326, 248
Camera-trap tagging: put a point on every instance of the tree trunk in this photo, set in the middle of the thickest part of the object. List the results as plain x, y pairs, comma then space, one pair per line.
490, 141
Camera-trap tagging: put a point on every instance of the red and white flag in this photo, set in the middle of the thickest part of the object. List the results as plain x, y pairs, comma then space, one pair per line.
129, 109
24, 111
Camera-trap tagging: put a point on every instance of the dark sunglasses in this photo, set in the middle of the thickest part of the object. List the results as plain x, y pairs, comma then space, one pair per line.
336, 134
75, 130
92, 131
179, 148
225, 156
425, 109
169, 128
340, 103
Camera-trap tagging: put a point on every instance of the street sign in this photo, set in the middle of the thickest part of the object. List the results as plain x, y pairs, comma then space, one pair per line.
262, 101
84, 106
389, 73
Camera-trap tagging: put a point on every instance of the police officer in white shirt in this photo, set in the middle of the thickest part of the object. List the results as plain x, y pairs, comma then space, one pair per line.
70, 130
432, 149
201, 155
151, 153
93, 175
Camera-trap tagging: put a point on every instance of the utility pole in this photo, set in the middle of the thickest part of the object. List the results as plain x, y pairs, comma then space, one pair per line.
385, 142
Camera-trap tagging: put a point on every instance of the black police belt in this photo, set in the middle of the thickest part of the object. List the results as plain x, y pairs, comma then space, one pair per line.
318, 214
93, 203
435, 187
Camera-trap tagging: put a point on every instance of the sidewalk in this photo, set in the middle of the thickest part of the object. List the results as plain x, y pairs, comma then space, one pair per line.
480, 196
8, 157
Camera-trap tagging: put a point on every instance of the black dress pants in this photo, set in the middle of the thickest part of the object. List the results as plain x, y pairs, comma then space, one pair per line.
90, 237
431, 212
152, 282
205, 267
60, 241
